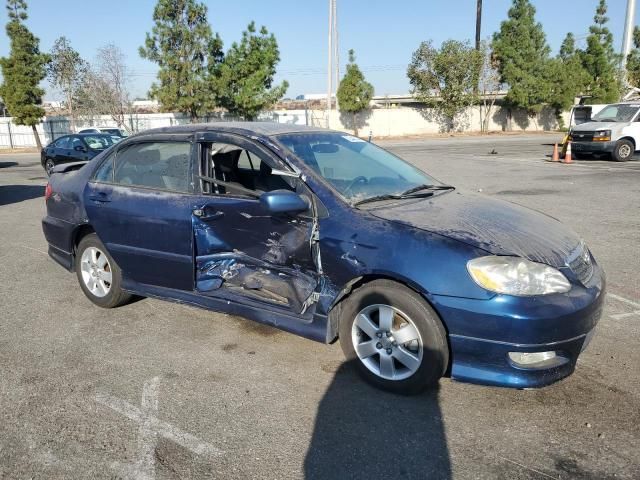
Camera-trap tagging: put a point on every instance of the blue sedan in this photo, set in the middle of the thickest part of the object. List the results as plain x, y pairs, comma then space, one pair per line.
327, 236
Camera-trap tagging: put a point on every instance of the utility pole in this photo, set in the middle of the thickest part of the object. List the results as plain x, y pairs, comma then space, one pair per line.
478, 22
628, 34
330, 62
336, 54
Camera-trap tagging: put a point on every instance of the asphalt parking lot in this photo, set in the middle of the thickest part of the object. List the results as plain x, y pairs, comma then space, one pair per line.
160, 390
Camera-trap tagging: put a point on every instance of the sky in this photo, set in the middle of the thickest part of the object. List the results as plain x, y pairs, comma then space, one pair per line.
383, 34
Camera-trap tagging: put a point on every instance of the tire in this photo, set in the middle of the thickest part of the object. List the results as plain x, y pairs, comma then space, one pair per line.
99, 276
391, 362
623, 151
49, 164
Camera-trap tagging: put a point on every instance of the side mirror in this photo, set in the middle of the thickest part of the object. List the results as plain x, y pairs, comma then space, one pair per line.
283, 201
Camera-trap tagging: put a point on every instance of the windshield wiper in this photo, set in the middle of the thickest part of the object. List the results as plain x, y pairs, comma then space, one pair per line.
427, 187
379, 198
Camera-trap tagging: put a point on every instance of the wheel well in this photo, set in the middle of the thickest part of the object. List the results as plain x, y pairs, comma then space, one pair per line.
354, 284
631, 139
81, 232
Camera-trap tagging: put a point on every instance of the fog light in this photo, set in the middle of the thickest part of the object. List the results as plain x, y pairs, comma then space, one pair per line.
530, 359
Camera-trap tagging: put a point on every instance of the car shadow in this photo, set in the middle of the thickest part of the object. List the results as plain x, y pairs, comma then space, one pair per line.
362, 433
19, 193
8, 164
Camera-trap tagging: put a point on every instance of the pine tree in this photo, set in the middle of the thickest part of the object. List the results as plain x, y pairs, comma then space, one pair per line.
522, 53
354, 92
23, 70
633, 60
567, 78
66, 71
184, 47
451, 73
600, 61
243, 81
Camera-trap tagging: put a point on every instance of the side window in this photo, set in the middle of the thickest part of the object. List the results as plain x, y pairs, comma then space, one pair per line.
248, 161
161, 165
105, 171
240, 170
75, 142
62, 142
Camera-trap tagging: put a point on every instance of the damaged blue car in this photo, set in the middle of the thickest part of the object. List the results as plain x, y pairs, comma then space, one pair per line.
327, 236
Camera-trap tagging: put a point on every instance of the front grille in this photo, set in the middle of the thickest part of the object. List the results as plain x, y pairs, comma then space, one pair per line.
581, 263
582, 136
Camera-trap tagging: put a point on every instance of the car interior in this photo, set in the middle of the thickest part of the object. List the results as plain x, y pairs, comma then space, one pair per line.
237, 167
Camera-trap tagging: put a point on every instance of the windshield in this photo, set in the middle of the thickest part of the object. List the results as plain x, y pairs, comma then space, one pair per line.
99, 142
616, 113
355, 168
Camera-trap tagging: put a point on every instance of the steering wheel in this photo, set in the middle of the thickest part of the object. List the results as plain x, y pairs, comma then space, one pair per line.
354, 182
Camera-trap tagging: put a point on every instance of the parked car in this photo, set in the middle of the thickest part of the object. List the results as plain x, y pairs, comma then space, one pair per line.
74, 148
116, 132
613, 131
322, 234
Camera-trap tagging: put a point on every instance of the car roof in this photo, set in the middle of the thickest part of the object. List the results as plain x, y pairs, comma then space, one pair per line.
244, 128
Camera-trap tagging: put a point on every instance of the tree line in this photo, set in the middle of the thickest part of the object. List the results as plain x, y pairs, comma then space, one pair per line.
517, 59
195, 75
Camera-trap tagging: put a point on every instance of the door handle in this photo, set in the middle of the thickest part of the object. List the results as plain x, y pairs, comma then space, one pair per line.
199, 212
100, 197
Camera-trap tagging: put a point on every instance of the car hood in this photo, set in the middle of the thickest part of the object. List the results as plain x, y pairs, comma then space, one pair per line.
593, 126
497, 226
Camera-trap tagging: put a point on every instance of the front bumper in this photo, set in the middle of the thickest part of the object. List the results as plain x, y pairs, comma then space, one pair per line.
592, 147
483, 332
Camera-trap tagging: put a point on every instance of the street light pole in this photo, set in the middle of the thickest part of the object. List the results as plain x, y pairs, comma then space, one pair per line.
336, 54
478, 22
330, 63
628, 32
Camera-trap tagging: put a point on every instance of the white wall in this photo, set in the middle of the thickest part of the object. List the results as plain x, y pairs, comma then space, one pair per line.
381, 122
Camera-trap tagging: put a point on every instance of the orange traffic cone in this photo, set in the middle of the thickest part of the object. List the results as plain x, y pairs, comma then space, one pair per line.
555, 157
567, 156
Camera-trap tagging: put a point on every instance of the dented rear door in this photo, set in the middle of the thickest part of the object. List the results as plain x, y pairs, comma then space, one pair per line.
244, 252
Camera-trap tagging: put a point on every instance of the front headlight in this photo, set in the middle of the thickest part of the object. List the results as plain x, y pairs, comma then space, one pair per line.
516, 276
602, 136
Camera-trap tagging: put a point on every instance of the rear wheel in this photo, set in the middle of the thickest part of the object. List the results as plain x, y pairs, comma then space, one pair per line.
394, 337
623, 151
48, 166
99, 276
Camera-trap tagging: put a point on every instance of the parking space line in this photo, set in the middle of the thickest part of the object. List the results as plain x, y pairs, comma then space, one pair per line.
149, 428
623, 300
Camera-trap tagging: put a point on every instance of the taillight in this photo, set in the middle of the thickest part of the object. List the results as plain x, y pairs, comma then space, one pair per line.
48, 191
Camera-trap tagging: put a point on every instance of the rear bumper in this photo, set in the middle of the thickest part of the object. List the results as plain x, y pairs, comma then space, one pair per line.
483, 332
593, 147
59, 234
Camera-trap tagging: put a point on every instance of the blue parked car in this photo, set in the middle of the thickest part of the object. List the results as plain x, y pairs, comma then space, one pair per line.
327, 236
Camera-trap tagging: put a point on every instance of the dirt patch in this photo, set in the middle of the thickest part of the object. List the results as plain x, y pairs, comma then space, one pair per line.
229, 347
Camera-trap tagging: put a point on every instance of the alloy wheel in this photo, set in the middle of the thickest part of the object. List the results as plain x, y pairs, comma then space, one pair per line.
96, 271
624, 151
387, 342
49, 166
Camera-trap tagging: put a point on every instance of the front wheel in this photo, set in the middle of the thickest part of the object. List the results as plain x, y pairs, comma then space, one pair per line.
394, 337
99, 276
623, 151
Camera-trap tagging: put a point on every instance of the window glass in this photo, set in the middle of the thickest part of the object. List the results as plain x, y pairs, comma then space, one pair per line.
622, 112
105, 171
99, 142
162, 165
357, 169
76, 142
62, 142
248, 161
